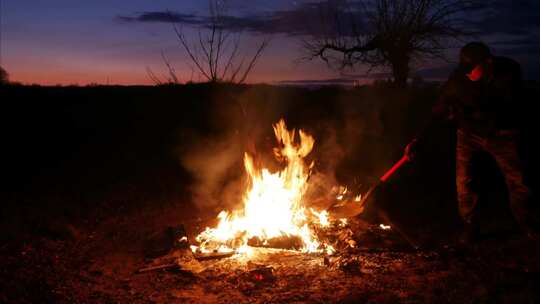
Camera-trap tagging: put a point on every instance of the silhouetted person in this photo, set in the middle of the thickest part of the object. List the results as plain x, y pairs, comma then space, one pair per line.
482, 96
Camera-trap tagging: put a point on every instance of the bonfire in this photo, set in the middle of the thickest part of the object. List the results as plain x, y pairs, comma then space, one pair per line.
274, 208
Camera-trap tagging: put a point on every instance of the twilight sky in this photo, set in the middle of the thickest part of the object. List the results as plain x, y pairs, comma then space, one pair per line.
99, 41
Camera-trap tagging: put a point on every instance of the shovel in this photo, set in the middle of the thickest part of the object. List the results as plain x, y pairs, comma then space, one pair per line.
344, 209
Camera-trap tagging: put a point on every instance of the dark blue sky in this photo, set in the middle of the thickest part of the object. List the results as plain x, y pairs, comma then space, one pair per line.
68, 41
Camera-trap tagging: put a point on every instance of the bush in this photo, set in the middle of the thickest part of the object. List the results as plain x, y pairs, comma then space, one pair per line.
4, 77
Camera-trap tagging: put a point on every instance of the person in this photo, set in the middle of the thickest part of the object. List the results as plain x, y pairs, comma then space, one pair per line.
482, 97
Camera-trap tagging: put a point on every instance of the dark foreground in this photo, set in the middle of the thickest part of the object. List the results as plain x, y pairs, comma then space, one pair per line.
96, 175
100, 266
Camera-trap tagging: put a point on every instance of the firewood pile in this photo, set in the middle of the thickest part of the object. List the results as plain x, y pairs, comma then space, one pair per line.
274, 274
348, 238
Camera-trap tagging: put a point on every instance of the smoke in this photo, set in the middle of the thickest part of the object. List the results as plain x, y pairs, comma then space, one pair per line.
350, 144
213, 162
236, 122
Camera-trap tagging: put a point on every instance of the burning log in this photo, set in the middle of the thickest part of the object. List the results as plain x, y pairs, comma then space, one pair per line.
202, 256
280, 242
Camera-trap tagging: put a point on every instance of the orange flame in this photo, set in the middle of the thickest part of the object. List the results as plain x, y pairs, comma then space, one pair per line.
273, 205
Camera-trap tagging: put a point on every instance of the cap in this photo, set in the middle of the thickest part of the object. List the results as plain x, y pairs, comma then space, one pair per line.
472, 55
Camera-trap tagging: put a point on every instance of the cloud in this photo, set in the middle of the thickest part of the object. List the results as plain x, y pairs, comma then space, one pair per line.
517, 41
306, 19
523, 50
525, 46
166, 17
495, 17
509, 17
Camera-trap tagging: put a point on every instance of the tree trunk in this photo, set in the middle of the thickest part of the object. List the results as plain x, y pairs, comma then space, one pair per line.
400, 71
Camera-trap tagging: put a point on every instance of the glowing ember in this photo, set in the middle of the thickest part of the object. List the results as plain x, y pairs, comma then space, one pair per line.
385, 227
273, 206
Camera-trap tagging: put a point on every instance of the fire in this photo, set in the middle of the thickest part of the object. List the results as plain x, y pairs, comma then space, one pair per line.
322, 216
273, 204
385, 227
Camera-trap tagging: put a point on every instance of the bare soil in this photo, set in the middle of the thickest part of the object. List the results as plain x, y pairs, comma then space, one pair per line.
100, 264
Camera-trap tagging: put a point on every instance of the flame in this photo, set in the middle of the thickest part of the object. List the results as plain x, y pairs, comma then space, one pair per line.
322, 216
273, 205
341, 193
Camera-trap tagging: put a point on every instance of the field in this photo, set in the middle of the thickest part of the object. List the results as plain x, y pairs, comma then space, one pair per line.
96, 174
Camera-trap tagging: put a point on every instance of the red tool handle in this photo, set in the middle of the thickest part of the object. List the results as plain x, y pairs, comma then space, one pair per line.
400, 163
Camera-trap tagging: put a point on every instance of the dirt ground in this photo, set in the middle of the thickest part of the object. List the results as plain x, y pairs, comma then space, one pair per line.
99, 265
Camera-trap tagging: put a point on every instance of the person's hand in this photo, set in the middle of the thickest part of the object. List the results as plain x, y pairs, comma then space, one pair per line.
411, 149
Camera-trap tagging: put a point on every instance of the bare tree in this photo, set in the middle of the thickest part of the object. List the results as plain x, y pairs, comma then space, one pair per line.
155, 79
170, 80
4, 76
216, 53
392, 33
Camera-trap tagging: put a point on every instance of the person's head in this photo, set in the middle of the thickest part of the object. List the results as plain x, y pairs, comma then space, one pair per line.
474, 59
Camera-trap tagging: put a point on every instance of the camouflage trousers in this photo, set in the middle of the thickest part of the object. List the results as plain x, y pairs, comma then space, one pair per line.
503, 148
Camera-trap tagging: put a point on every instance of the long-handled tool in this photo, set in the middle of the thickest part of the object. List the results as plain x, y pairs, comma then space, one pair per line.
353, 208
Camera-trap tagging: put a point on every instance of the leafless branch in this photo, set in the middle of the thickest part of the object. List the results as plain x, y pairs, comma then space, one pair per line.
153, 77
187, 48
170, 69
398, 31
216, 52
254, 59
